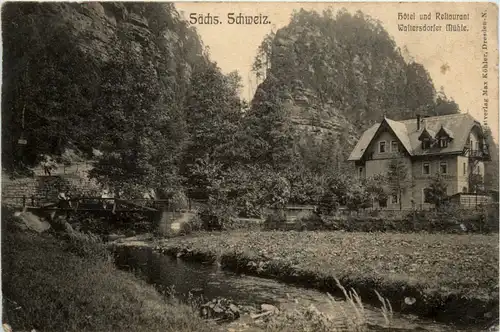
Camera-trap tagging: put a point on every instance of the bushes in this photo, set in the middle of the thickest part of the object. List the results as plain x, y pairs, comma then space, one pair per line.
458, 221
215, 218
88, 246
454, 220
450, 220
275, 220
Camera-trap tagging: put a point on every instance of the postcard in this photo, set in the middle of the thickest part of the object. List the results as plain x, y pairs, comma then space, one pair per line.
250, 166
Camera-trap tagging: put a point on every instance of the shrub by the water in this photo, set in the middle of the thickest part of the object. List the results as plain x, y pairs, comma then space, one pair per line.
484, 219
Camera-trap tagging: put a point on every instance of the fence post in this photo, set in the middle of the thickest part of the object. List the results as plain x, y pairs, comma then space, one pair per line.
24, 201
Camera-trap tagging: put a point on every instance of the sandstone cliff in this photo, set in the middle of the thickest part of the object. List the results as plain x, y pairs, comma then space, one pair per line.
341, 72
56, 55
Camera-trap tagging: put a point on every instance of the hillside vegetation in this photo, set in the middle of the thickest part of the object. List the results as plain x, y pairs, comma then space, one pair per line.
134, 81
344, 71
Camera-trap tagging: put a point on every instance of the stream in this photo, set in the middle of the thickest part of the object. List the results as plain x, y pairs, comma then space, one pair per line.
210, 281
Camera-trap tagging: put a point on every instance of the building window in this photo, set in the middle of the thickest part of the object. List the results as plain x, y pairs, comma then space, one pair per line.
382, 147
426, 144
443, 167
426, 168
394, 146
426, 195
465, 168
394, 198
360, 172
443, 143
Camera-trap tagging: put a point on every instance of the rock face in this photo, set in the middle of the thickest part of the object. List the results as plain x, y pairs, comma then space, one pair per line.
340, 73
55, 57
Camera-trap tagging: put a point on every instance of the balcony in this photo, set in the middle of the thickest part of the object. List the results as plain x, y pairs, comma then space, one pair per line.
478, 154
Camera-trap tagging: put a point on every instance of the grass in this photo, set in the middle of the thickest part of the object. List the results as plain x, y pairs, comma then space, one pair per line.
351, 318
54, 285
432, 268
47, 285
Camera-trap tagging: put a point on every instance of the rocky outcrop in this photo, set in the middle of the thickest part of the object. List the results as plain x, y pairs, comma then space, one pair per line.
340, 73
60, 57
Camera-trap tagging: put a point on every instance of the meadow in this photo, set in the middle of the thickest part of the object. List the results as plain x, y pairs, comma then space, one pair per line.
445, 276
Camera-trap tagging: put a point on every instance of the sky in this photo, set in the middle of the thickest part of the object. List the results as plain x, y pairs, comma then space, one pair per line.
454, 59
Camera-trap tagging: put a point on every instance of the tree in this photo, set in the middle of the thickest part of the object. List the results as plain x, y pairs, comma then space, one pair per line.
213, 115
357, 197
305, 185
269, 135
48, 84
343, 190
376, 187
397, 177
491, 168
420, 90
436, 193
444, 105
476, 183
140, 134
262, 61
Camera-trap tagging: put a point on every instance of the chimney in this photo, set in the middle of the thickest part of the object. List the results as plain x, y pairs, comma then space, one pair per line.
418, 122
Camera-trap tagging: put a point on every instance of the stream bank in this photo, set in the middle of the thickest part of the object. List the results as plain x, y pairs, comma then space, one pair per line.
49, 284
444, 277
448, 309
238, 278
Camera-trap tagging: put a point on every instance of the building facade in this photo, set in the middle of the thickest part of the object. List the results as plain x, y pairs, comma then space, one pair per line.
453, 146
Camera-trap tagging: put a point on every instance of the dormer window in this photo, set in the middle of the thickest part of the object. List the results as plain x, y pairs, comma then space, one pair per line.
426, 144
444, 136
426, 137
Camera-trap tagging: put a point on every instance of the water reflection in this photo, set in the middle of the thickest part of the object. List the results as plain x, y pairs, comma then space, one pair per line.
209, 281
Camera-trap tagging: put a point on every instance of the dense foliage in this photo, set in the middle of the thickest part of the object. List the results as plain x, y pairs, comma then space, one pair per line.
349, 71
134, 82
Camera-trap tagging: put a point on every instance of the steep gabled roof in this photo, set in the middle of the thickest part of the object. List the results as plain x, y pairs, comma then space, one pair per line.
401, 133
457, 126
363, 142
426, 134
445, 131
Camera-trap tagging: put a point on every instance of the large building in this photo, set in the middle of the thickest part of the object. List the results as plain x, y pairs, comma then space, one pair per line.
451, 145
